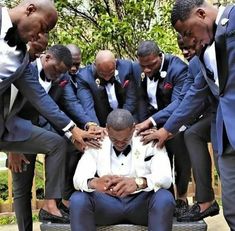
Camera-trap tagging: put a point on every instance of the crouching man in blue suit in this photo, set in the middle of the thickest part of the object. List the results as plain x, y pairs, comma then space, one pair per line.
106, 85
126, 181
160, 78
201, 24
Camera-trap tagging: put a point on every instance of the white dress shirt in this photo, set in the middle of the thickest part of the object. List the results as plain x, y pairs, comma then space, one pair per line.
110, 89
120, 165
10, 57
45, 84
210, 53
152, 87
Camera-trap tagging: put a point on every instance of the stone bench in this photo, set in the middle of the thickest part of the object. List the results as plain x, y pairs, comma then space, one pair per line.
177, 226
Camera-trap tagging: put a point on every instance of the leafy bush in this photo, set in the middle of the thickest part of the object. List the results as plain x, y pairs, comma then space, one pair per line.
3, 185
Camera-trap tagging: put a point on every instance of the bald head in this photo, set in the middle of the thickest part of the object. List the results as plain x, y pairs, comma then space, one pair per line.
105, 64
104, 56
76, 56
33, 17
74, 49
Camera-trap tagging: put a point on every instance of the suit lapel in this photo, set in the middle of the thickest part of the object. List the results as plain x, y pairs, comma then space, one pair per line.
143, 86
17, 105
161, 97
104, 158
213, 87
17, 74
138, 153
221, 49
120, 93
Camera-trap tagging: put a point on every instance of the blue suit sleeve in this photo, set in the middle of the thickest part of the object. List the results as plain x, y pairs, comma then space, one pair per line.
86, 99
72, 106
131, 96
178, 75
195, 96
163, 115
29, 86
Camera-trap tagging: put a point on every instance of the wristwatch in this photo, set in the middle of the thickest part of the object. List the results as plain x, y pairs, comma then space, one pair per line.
88, 124
139, 182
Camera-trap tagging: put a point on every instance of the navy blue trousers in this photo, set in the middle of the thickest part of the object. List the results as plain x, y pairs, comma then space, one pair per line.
152, 209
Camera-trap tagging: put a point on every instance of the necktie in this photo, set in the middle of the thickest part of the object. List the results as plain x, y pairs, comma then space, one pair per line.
125, 152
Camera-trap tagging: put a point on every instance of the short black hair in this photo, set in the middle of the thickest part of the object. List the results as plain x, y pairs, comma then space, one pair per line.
62, 54
147, 48
182, 9
120, 119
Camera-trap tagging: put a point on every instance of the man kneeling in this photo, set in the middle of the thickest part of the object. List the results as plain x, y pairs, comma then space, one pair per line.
123, 182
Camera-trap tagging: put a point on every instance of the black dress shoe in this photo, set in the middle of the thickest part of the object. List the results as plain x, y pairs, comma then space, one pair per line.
181, 207
62, 207
193, 214
46, 217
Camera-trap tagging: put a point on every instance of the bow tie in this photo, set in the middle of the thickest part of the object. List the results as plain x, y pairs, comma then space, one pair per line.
43, 76
155, 77
13, 39
125, 152
104, 82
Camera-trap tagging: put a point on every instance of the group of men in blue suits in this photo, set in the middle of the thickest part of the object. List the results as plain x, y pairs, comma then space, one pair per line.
211, 32
159, 90
28, 22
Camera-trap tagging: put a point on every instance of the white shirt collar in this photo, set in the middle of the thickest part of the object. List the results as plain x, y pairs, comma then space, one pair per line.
7, 22
219, 15
45, 84
39, 65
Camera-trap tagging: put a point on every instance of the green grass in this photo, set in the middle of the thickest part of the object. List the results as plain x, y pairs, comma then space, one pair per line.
11, 219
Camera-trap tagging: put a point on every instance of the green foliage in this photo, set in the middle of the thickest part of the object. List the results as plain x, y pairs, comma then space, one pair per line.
3, 185
6, 220
39, 183
117, 25
11, 219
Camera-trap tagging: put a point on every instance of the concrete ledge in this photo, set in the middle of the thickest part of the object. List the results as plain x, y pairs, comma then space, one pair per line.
177, 226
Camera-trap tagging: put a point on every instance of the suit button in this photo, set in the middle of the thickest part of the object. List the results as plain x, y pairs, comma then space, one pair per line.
221, 94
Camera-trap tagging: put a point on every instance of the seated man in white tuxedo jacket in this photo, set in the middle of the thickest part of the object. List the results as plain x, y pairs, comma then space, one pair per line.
123, 182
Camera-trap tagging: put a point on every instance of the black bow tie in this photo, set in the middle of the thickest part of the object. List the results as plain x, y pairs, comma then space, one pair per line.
13, 39
104, 82
43, 76
155, 77
125, 152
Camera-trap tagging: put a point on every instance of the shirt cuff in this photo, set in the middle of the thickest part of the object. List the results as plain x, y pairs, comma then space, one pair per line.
68, 135
71, 124
153, 121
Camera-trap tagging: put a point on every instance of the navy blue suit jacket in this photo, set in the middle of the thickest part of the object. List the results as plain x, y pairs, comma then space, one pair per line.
225, 52
197, 93
89, 92
176, 71
63, 93
19, 129
163, 115
71, 104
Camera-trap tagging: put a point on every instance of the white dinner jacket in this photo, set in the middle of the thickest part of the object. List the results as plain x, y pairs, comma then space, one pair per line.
156, 170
